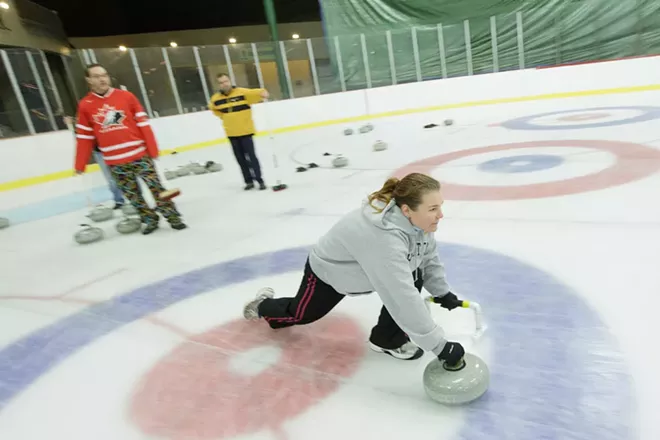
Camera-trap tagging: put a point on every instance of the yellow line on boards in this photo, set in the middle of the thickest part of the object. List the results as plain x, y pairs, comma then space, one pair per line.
30, 181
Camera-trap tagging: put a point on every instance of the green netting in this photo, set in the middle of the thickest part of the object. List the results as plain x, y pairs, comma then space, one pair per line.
553, 32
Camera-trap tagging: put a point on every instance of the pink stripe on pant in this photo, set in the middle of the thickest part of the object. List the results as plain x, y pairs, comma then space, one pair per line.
302, 305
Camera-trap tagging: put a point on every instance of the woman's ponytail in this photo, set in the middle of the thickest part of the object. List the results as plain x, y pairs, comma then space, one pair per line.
384, 194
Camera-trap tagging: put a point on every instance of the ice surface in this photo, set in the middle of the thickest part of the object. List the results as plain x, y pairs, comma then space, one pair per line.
142, 338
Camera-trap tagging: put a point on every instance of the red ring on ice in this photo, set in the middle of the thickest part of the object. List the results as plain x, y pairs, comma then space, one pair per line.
634, 162
313, 361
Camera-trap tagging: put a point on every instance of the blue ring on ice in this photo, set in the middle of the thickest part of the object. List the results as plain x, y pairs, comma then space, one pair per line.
526, 122
556, 371
524, 163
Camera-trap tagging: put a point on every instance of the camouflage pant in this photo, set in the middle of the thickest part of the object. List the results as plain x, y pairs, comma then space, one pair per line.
126, 176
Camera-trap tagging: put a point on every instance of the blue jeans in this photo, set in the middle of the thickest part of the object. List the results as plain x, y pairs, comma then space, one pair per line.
114, 189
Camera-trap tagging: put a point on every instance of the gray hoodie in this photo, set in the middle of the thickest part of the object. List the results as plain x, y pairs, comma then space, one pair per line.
368, 251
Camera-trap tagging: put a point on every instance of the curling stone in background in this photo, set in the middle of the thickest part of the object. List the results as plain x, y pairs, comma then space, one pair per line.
213, 167
183, 171
128, 209
380, 146
339, 161
197, 168
449, 122
456, 384
348, 132
88, 234
100, 213
171, 175
129, 225
366, 128
4, 223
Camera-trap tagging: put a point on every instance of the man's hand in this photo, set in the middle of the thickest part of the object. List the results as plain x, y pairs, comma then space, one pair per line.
265, 94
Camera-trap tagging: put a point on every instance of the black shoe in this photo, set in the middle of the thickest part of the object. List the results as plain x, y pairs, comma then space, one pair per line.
151, 227
178, 226
249, 186
118, 205
262, 186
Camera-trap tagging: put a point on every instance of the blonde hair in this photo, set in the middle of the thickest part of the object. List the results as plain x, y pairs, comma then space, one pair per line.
407, 191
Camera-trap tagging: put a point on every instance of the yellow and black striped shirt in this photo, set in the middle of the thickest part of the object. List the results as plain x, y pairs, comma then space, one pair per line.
235, 110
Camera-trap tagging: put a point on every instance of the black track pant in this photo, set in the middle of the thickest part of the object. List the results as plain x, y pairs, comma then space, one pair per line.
316, 298
246, 157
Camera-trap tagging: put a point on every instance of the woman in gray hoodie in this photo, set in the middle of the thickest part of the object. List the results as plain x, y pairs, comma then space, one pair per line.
386, 246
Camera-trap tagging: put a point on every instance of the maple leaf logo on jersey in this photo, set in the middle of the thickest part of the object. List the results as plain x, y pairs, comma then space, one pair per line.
110, 118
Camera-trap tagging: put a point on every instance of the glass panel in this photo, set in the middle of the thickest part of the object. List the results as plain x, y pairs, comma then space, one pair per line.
300, 70
352, 62
77, 66
379, 59
12, 122
645, 31
242, 62
186, 75
48, 88
156, 81
266, 53
213, 63
429, 52
481, 43
119, 66
326, 67
402, 45
507, 43
454, 35
67, 95
30, 91
540, 37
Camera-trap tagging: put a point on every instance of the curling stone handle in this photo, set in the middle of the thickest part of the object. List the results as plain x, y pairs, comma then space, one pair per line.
476, 308
456, 367
478, 316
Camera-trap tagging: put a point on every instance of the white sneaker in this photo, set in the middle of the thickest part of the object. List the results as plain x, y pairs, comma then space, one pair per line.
250, 311
407, 351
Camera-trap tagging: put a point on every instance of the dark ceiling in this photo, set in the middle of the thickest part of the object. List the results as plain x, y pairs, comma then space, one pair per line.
84, 18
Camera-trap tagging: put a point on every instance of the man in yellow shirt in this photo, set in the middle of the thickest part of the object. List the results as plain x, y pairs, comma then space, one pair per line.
233, 106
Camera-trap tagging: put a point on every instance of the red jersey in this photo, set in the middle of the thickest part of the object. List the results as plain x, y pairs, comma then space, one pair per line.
117, 124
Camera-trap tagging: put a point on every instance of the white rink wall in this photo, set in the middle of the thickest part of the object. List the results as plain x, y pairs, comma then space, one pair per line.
47, 153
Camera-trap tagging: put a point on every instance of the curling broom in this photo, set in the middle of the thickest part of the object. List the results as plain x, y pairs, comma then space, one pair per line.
280, 186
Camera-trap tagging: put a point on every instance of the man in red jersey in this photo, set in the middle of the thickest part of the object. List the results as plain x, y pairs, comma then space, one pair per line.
116, 122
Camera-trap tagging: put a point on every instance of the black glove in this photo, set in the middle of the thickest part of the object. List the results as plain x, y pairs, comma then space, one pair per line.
449, 301
452, 353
